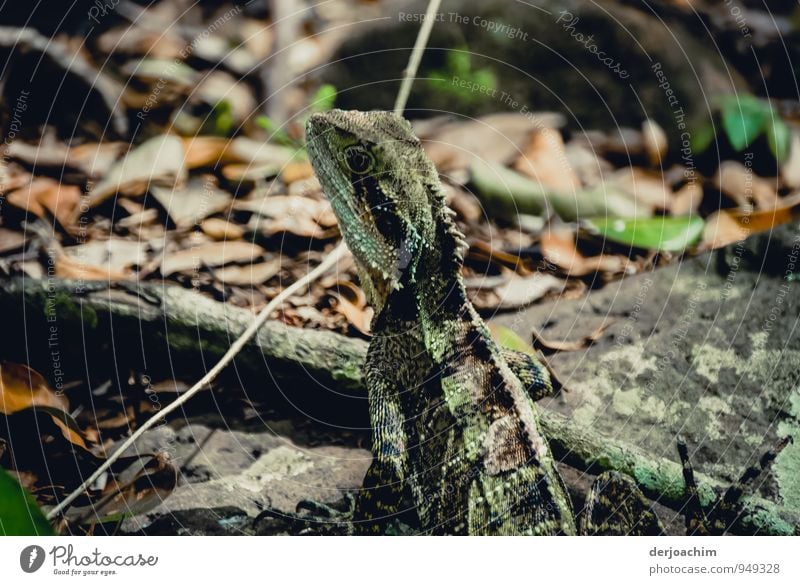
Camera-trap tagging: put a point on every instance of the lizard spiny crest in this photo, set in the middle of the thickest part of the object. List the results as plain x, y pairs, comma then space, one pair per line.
387, 195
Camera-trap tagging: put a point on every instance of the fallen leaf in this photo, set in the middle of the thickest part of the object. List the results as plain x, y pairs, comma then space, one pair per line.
351, 302
687, 199
95, 159
145, 484
669, 234
295, 214
648, 189
205, 151
552, 345
188, 205
485, 253
729, 226
655, 142
221, 229
790, 171
22, 388
742, 185
138, 219
116, 255
214, 254
67, 267
10, 240
159, 161
493, 139
296, 171
248, 275
544, 160
43, 196
559, 248
520, 291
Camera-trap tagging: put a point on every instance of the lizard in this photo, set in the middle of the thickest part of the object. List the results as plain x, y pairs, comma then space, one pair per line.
454, 420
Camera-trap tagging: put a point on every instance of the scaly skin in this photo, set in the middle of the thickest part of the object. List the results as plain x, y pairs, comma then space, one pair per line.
455, 427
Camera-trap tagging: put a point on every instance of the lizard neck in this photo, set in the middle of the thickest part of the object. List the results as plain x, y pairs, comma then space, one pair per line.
432, 296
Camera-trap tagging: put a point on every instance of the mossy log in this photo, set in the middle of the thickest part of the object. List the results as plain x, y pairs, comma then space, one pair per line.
99, 330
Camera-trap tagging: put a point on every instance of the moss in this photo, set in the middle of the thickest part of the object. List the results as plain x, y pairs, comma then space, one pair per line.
765, 520
787, 464
62, 305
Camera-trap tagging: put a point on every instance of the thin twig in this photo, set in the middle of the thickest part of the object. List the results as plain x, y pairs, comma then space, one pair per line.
234, 349
416, 56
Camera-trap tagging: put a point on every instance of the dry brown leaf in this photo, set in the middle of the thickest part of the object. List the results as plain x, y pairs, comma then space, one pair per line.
214, 254
687, 199
22, 388
43, 196
296, 171
10, 240
115, 254
95, 159
205, 151
520, 291
159, 161
188, 205
728, 226
544, 160
483, 252
559, 248
242, 157
12, 177
655, 142
541, 342
496, 138
221, 229
351, 302
790, 171
745, 187
149, 480
295, 214
647, 188
249, 274
66, 267
139, 219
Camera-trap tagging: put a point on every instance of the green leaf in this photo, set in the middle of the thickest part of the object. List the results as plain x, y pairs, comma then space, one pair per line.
668, 234
278, 135
702, 138
222, 118
509, 339
324, 99
743, 119
19, 513
779, 137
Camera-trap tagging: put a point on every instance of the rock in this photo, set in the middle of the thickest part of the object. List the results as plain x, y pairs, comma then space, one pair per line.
708, 348
228, 477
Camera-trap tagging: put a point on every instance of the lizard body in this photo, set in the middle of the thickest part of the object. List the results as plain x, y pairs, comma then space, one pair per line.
452, 422
455, 426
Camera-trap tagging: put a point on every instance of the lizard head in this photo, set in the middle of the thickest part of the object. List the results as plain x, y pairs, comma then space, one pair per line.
384, 191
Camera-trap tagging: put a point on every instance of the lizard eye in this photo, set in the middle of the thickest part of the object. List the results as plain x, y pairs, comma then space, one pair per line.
358, 159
